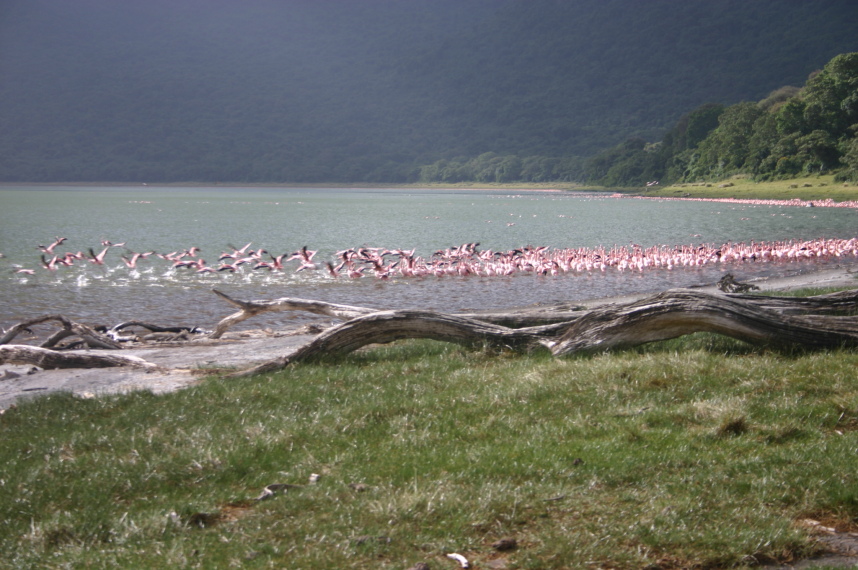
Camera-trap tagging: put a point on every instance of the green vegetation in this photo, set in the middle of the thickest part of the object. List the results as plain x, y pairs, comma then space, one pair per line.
792, 132
744, 187
378, 91
701, 451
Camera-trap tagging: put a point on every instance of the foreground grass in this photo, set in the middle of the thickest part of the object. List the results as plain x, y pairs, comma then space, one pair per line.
695, 452
805, 188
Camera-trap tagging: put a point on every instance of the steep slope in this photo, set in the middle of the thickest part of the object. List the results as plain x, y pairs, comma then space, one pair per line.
348, 91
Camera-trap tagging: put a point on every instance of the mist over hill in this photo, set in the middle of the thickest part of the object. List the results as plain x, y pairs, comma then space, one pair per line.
373, 90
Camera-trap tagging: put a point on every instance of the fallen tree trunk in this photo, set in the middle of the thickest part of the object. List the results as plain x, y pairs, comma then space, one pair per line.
383, 327
251, 308
825, 321
51, 359
844, 303
92, 338
511, 318
840, 303
780, 322
679, 312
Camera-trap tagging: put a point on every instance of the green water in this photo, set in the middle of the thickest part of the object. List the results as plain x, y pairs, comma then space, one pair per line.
284, 220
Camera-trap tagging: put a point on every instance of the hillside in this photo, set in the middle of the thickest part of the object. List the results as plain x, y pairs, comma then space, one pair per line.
260, 91
807, 131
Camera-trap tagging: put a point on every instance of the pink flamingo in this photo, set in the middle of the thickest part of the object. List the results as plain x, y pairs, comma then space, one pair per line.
50, 248
49, 265
305, 256
98, 259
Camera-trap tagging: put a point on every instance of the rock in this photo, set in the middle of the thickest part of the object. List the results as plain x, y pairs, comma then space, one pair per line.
508, 543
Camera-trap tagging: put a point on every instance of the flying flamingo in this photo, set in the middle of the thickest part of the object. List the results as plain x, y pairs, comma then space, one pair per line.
49, 265
305, 256
236, 253
50, 248
98, 259
132, 263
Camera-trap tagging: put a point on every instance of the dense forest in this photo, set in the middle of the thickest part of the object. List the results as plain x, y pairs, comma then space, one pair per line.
807, 130
411, 90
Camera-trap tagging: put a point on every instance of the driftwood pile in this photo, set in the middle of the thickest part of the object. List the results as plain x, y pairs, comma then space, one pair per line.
728, 284
782, 323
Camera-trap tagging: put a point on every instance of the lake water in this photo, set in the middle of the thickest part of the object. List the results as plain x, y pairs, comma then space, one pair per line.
283, 220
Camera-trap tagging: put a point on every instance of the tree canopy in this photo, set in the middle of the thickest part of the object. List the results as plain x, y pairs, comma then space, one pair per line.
792, 131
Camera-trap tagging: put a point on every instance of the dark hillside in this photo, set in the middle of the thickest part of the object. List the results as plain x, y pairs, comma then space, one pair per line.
340, 90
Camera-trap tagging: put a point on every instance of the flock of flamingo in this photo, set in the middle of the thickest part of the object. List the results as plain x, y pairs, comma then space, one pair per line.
826, 203
463, 260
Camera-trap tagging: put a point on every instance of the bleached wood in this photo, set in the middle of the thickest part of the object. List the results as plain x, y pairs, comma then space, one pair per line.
52, 359
827, 321
251, 308
92, 338
780, 323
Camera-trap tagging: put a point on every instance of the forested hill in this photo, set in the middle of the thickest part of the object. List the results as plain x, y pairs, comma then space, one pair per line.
378, 90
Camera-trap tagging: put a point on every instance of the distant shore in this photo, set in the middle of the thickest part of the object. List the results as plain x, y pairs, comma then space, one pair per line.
519, 187
740, 187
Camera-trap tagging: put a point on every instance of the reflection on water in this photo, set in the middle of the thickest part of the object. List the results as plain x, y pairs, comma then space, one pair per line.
283, 220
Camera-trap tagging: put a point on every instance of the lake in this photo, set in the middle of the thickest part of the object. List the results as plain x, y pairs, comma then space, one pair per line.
283, 220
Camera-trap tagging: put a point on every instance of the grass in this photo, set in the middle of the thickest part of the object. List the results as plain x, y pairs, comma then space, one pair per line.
697, 452
805, 188
739, 186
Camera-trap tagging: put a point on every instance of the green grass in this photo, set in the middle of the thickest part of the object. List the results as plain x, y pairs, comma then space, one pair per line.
698, 452
740, 186
806, 188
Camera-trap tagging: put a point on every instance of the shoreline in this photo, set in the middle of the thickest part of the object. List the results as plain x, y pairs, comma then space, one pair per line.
736, 188
511, 187
187, 363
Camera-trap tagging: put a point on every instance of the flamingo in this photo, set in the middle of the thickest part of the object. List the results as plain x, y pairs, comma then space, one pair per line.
236, 253
132, 263
231, 267
98, 259
49, 265
50, 248
305, 256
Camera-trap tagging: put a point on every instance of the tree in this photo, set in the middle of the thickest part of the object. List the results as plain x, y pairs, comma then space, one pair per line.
831, 96
725, 150
760, 146
817, 151
850, 159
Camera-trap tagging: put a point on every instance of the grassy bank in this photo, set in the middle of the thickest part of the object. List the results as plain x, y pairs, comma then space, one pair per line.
699, 451
807, 188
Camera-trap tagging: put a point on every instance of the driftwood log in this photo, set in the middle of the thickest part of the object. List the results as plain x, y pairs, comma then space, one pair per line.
44, 357
249, 309
535, 316
680, 312
52, 359
784, 323
92, 338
